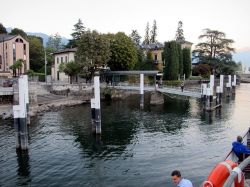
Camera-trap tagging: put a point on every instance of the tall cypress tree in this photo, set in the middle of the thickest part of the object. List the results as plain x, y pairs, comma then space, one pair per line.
153, 32
180, 55
171, 56
179, 37
166, 54
187, 62
174, 61
146, 38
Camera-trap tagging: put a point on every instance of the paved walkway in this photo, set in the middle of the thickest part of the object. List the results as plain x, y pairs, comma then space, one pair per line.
48, 98
164, 90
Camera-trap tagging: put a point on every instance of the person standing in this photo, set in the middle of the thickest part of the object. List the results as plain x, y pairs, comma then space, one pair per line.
182, 86
179, 181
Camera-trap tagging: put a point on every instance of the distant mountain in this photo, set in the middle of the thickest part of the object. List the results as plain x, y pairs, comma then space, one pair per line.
45, 37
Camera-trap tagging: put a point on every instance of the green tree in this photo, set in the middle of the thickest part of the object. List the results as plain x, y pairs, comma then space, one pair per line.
2, 29
71, 69
17, 66
36, 53
216, 51
123, 52
180, 55
179, 37
136, 37
153, 33
93, 51
187, 62
146, 37
79, 30
202, 70
214, 47
17, 31
148, 63
170, 52
55, 43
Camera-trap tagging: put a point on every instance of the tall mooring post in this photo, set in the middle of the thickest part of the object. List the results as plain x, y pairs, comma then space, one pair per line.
92, 105
27, 98
234, 84
209, 99
211, 83
221, 83
141, 90
229, 86
218, 96
96, 107
203, 91
20, 115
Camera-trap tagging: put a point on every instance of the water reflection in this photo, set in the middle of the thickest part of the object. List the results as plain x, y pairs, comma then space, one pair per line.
138, 147
23, 170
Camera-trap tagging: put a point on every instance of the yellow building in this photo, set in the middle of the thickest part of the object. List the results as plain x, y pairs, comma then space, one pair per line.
156, 50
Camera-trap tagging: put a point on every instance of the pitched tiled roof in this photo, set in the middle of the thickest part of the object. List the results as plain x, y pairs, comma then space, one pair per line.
67, 50
156, 45
6, 37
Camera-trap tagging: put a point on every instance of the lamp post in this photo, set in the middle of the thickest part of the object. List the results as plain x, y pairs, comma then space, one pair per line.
3, 56
45, 63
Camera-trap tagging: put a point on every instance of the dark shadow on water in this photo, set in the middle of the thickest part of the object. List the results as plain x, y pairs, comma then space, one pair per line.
23, 170
208, 116
97, 142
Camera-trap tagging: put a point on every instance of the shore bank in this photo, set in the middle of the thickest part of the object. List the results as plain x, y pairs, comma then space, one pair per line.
6, 111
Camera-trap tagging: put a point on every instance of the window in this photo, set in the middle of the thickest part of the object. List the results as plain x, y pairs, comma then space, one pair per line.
0, 62
61, 59
6, 46
24, 49
57, 60
155, 57
19, 40
14, 52
66, 59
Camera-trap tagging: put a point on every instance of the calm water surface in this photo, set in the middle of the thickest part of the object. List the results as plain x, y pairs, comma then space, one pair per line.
137, 147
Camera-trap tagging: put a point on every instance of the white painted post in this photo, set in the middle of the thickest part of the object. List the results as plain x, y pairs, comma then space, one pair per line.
25, 77
229, 85
235, 80
218, 95
97, 104
208, 102
141, 90
20, 115
234, 84
230, 80
212, 84
203, 89
141, 83
221, 82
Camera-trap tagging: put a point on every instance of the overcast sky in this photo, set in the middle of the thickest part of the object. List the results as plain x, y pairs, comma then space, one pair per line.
52, 16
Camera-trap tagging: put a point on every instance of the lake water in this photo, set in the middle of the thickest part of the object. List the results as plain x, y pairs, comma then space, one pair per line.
138, 147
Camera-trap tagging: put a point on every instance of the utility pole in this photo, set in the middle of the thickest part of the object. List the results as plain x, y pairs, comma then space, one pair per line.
45, 62
3, 56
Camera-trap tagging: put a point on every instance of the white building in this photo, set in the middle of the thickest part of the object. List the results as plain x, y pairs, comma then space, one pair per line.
62, 56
